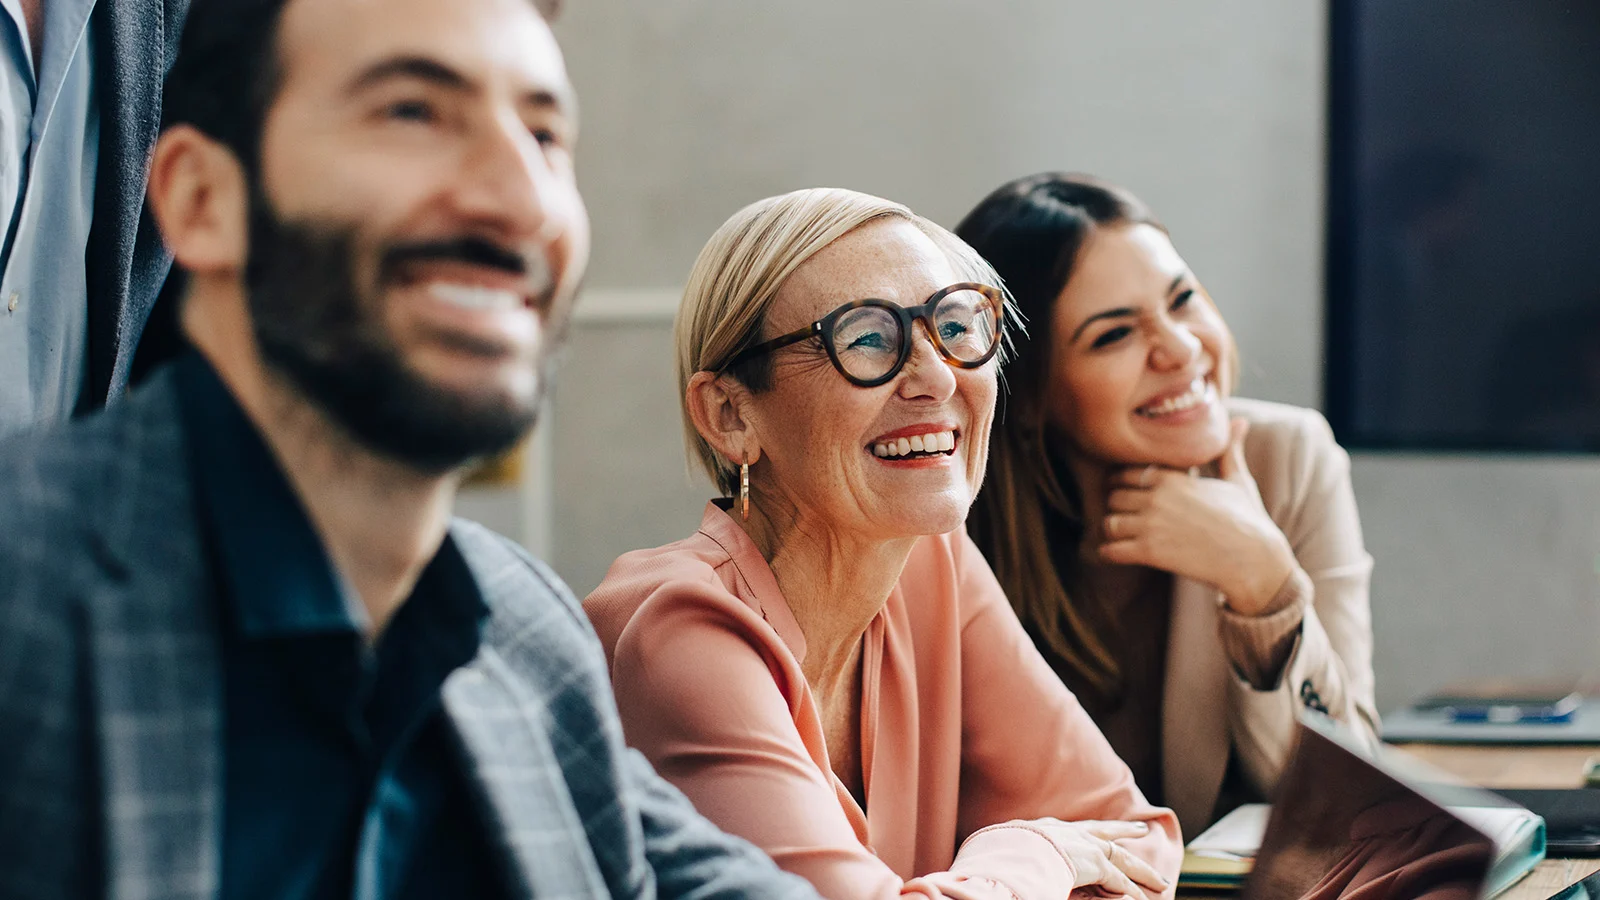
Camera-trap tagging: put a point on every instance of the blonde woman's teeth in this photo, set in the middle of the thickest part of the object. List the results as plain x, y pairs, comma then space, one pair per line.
1199, 393
937, 442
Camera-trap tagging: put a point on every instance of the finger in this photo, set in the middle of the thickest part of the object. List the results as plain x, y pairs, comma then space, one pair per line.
1127, 500
1128, 552
1140, 477
1136, 868
1122, 526
1113, 830
1231, 465
1111, 877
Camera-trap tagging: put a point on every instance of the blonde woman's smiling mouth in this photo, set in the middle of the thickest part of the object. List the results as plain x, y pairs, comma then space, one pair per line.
916, 443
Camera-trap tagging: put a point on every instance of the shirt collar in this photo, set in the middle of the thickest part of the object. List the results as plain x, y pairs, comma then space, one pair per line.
277, 576
756, 586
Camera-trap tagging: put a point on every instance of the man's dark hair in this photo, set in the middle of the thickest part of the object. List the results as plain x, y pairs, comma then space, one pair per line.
227, 73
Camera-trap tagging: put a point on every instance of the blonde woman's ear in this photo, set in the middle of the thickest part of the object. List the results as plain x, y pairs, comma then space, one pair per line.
717, 408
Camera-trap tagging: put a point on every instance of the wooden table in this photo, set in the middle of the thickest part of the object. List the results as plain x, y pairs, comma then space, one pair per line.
1505, 767
1508, 767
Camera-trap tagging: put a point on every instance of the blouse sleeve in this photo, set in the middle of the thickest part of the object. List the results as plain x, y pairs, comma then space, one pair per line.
1329, 664
705, 698
1029, 751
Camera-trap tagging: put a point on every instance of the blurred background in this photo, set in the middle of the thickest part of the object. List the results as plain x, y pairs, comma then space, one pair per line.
1215, 113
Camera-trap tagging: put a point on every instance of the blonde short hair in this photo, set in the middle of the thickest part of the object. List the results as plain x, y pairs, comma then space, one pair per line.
740, 270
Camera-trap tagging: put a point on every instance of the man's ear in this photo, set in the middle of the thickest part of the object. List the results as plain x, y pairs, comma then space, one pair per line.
200, 198
719, 407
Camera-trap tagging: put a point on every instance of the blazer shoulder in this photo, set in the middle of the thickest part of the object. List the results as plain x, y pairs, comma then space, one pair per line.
58, 481
696, 567
514, 582
1291, 452
1283, 421
535, 624
72, 498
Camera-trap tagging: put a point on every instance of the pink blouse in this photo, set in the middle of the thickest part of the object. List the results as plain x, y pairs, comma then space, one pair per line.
966, 733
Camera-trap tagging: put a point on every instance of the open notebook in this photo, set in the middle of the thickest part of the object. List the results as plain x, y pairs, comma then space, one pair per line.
1350, 822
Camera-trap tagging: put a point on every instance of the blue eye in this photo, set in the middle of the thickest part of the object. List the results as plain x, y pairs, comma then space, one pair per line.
872, 340
950, 331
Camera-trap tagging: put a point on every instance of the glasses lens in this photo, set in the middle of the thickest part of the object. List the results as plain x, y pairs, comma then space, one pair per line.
968, 323
866, 341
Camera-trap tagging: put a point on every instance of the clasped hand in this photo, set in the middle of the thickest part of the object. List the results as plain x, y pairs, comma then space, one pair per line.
1099, 861
1213, 530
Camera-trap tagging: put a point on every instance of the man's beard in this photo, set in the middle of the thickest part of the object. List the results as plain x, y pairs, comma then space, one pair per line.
316, 329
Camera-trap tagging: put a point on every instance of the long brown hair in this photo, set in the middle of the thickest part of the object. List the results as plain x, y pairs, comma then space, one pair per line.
1028, 518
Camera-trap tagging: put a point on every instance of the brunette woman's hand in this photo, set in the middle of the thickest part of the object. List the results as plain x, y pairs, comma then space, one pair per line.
1213, 530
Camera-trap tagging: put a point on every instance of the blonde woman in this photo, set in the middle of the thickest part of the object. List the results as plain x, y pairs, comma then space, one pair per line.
827, 667
1190, 563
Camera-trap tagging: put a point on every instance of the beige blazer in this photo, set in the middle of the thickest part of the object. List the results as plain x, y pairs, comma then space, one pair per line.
1208, 708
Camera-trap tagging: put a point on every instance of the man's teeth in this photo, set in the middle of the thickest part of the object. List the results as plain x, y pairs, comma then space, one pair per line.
1201, 391
474, 297
937, 442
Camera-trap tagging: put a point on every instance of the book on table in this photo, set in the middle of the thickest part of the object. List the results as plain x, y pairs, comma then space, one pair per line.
1349, 815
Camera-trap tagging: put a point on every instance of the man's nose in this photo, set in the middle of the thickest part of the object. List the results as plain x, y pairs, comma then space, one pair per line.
507, 186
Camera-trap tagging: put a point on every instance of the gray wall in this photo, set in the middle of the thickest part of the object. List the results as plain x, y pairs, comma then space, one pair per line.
1213, 112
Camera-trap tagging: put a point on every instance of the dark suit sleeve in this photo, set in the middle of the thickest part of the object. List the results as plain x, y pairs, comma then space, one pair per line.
688, 858
691, 857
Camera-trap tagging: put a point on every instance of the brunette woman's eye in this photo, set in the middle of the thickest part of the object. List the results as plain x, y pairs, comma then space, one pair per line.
1111, 337
1182, 300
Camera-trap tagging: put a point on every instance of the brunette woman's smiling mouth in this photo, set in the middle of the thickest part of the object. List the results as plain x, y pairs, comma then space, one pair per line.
1186, 403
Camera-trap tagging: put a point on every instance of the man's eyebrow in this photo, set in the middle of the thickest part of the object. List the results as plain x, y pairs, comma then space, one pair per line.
419, 67
559, 98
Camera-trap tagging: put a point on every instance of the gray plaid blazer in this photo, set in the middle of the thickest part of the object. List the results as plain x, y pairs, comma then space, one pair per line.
111, 691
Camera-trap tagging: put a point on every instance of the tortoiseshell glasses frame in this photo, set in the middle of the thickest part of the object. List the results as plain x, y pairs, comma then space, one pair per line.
979, 349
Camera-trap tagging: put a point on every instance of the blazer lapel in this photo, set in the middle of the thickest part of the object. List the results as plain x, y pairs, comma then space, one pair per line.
522, 785
157, 670
1194, 715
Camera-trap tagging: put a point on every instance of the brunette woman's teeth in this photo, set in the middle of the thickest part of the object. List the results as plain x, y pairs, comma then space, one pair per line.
1200, 392
936, 442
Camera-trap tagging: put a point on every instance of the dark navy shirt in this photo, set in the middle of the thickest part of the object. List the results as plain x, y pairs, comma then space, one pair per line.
342, 775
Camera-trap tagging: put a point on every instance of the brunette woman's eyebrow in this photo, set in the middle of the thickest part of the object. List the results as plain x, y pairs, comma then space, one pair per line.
1120, 312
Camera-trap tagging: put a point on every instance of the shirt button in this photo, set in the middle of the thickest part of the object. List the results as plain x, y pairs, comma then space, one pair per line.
11, 304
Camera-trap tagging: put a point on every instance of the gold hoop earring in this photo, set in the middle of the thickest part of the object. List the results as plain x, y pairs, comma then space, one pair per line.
744, 489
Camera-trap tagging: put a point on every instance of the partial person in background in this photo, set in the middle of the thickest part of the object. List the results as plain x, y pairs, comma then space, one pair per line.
1190, 563
827, 667
244, 649
81, 263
